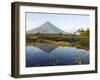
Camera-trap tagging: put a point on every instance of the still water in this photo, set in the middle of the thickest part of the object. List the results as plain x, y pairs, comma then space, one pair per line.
47, 55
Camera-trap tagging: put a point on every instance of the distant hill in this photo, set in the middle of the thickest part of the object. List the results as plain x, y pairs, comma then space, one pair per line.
47, 27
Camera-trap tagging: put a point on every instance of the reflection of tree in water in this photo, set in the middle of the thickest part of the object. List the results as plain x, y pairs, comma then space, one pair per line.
78, 61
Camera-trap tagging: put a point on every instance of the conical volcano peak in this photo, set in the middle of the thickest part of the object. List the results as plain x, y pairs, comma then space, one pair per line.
46, 27
47, 22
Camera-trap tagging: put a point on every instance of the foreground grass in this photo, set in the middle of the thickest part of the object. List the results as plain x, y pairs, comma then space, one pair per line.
60, 40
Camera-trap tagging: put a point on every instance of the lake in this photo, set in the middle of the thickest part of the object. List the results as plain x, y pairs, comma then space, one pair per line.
50, 55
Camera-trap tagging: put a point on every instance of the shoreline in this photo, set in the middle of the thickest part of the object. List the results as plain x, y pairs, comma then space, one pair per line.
79, 46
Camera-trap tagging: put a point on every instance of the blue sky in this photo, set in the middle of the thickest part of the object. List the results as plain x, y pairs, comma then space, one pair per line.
66, 22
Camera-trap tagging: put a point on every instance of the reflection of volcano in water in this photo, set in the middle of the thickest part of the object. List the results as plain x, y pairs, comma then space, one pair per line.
37, 55
45, 47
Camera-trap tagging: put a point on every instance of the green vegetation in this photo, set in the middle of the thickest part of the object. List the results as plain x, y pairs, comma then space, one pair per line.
78, 41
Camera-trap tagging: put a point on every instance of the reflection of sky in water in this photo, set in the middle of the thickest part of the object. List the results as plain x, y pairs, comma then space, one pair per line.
58, 56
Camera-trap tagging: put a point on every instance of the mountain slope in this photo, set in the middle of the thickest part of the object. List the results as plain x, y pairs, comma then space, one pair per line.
46, 28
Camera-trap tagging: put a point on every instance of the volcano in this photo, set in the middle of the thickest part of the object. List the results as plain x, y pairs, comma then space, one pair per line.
46, 28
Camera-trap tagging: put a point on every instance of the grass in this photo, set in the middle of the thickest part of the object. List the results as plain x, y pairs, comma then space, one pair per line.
60, 40
62, 43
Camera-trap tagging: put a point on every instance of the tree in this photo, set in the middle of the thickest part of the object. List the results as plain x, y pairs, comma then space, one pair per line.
87, 32
83, 33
